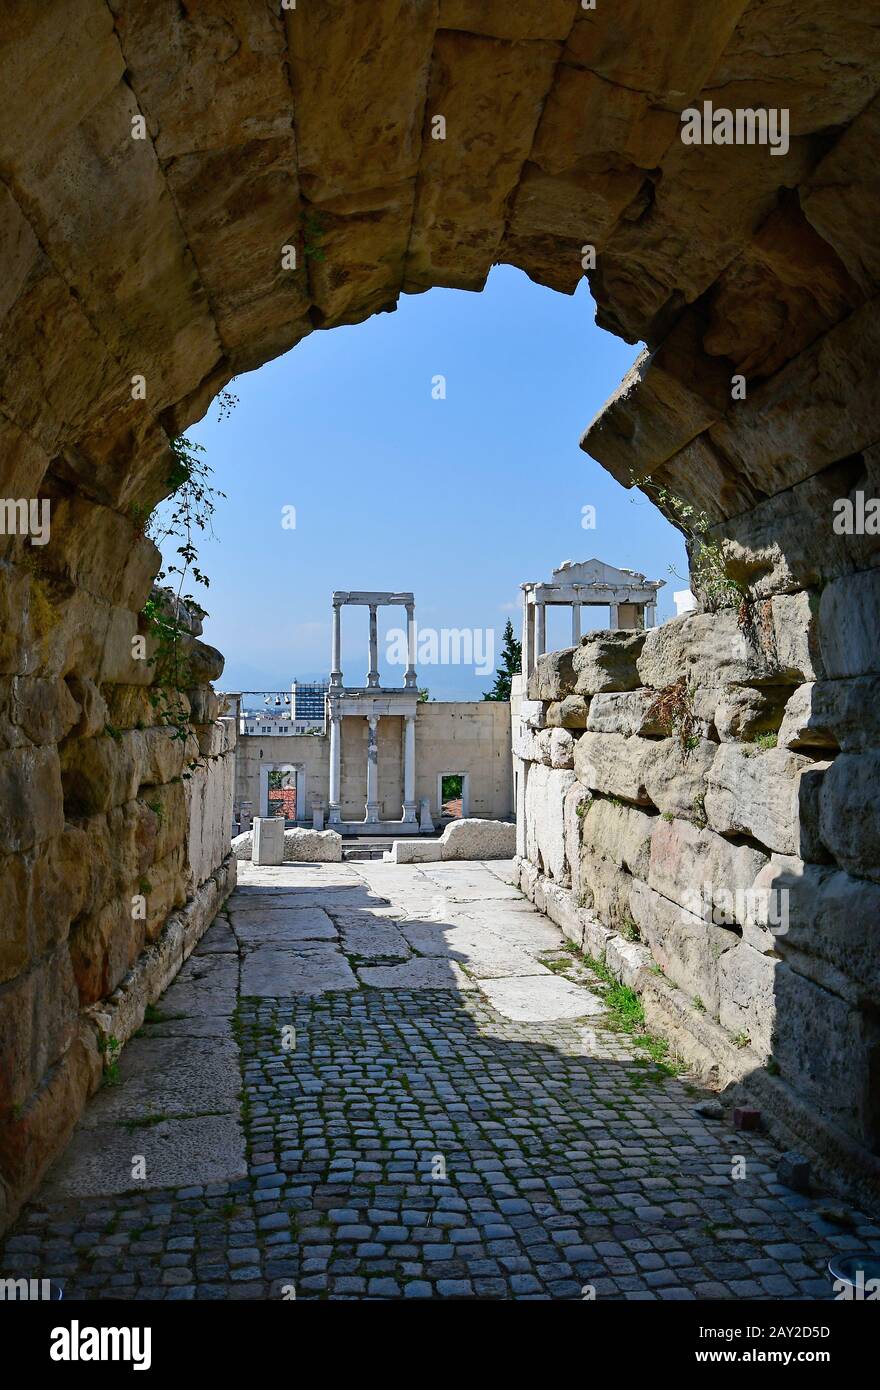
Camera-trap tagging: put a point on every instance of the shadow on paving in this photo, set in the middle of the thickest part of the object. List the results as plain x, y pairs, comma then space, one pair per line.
304, 1129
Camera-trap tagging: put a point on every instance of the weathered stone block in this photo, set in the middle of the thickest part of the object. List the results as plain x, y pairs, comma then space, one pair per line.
606, 661
758, 794
848, 822
208, 816
561, 748
606, 890
15, 945
848, 624
577, 801
614, 765
828, 1052
695, 867
31, 805
626, 959
713, 649
687, 948
553, 677
740, 712
746, 996
621, 834
412, 851
793, 1170
546, 790
16, 1042
478, 839
829, 915
778, 546
675, 775
627, 713
103, 947
43, 709
833, 714
570, 713
93, 715
98, 773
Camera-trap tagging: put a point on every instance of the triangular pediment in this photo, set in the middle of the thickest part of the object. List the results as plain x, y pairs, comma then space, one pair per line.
595, 572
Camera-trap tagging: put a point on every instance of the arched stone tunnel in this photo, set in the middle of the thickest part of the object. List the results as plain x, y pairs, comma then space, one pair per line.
158, 162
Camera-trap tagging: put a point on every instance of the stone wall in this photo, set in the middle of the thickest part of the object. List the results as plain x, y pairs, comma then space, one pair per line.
113, 858
697, 800
144, 204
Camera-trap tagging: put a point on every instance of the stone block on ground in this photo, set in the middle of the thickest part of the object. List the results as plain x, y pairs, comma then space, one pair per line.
478, 839
299, 846
268, 840
414, 851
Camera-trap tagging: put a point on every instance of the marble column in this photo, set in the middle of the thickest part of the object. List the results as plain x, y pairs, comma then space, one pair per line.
575, 624
334, 815
541, 639
373, 673
336, 652
409, 768
373, 807
614, 617
528, 640
409, 679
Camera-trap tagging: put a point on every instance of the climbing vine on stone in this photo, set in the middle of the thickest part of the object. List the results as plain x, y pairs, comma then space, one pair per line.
172, 614
708, 568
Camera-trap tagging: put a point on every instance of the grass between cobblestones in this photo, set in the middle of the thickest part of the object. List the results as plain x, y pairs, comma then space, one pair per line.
417, 1145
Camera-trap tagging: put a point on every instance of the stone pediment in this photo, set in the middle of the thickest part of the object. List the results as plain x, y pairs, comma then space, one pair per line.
596, 572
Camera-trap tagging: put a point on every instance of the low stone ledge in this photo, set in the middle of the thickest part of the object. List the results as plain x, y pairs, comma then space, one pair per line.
122, 1013
470, 838
51, 1116
840, 1163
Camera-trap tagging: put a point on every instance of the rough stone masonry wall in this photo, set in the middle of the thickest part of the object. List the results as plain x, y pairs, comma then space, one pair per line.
653, 843
161, 258
96, 809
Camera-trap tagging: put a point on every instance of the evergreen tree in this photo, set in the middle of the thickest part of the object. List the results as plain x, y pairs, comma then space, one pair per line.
511, 662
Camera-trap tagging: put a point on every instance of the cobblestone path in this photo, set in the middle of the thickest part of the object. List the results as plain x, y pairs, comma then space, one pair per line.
373, 1081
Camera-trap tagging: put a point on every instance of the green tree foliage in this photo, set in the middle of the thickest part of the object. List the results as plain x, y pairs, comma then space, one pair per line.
511, 664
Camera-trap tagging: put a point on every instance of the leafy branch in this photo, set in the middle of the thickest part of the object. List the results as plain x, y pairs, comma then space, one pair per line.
708, 566
172, 615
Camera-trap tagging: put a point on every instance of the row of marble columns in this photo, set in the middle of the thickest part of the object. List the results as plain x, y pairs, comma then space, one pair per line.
534, 630
409, 676
373, 806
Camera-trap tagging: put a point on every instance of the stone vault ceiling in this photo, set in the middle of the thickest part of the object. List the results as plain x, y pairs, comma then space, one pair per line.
314, 127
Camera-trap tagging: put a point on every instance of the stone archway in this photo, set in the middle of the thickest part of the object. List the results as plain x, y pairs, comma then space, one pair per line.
188, 191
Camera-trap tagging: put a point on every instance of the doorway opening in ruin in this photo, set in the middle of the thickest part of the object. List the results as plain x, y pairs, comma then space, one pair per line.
282, 793
453, 795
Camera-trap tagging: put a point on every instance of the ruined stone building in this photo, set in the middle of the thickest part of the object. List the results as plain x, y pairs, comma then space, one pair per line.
383, 754
713, 170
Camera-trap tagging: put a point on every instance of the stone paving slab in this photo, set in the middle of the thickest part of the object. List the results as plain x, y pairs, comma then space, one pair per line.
180, 1075
176, 1153
218, 939
418, 973
464, 882
282, 925
372, 939
277, 972
530, 930
263, 877
206, 985
482, 952
342, 897
540, 998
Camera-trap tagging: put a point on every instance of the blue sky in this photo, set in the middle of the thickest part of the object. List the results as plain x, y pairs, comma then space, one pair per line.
459, 500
